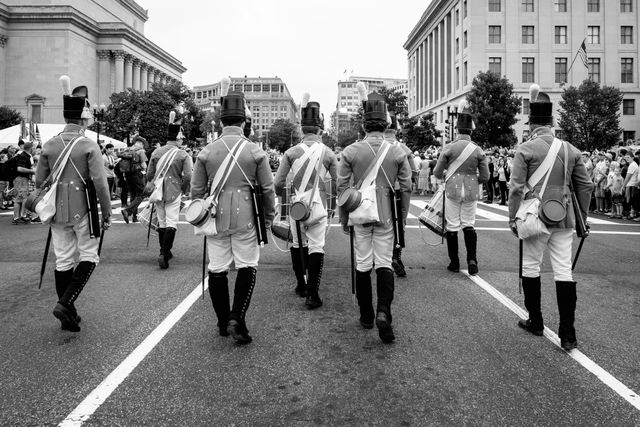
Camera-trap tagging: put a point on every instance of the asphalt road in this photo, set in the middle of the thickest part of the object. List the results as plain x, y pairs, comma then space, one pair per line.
459, 358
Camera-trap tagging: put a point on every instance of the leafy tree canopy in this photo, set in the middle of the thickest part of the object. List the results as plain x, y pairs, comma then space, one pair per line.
494, 108
283, 134
420, 133
590, 115
9, 117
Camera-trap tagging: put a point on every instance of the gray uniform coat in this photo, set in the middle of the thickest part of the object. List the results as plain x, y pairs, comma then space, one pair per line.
178, 177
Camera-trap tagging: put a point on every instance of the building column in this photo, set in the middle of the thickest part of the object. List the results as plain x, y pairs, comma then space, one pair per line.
128, 71
144, 85
104, 77
118, 56
3, 43
136, 74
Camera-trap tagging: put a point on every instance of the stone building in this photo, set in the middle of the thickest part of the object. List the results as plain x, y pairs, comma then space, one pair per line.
100, 44
527, 41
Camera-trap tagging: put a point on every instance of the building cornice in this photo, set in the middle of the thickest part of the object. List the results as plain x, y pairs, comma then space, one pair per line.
435, 8
70, 15
4, 12
135, 8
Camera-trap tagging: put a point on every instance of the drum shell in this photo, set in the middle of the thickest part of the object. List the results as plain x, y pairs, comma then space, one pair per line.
350, 199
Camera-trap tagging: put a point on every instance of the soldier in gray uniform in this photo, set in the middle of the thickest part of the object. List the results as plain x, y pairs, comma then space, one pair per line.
528, 158
314, 232
236, 240
374, 241
462, 190
71, 230
177, 177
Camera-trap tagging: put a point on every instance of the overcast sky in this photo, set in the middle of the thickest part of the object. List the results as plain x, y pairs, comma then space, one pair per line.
308, 44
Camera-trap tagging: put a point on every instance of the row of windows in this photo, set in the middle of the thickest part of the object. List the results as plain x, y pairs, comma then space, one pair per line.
560, 34
628, 107
561, 69
559, 5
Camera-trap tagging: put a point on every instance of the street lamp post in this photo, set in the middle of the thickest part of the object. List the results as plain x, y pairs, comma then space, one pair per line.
98, 114
452, 113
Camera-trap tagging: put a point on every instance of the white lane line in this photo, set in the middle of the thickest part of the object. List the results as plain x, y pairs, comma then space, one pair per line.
625, 233
99, 395
609, 380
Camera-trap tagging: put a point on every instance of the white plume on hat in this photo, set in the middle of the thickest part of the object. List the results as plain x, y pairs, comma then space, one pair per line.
362, 91
389, 121
534, 90
172, 117
224, 86
463, 104
305, 100
65, 81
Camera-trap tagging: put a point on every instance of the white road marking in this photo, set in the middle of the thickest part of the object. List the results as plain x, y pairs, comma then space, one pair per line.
609, 380
482, 213
99, 395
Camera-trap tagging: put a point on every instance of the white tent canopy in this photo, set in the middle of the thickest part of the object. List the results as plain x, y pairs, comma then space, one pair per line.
9, 136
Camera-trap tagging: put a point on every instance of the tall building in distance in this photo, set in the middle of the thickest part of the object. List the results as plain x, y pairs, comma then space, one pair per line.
527, 41
98, 44
348, 100
268, 98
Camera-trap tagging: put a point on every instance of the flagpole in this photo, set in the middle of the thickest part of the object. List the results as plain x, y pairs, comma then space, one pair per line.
576, 55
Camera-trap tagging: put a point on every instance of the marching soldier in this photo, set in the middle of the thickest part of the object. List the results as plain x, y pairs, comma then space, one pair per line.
374, 241
236, 240
75, 226
308, 162
466, 167
175, 166
390, 135
567, 170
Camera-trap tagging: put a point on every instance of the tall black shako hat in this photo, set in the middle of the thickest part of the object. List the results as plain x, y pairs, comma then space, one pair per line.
540, 107
310, 112
174, 129
75, 104
374, 105
232, 104
464, 119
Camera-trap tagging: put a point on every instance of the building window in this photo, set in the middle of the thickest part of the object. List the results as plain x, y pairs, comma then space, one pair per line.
36, 113
561, 34
457, 17
560, 5
464, 9
457, 46
528, 75
626, 34
629, 107
495, 34
495, 65
465, 40
626, 5
457, 78
527, 34
525, 106
629, 136
561, 70
593, 69
626, 70
593, 34
494, 5
593, 5
527, 6
465, 72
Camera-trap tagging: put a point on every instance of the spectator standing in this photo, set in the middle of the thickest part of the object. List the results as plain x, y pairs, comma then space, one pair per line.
630, 183
25, 170
616, 186
135, 179
503, 178
4, 179
110, 162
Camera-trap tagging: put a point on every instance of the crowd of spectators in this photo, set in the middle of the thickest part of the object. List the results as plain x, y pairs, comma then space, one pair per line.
17, 179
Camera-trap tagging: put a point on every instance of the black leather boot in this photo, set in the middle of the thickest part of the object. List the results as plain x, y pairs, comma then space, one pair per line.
396, 262
245, 282
385, 287
316, 262
531, 289
365, 298
63, 310
452, 248
301, 287
165, 249
161, 259
63, 279
219, 292
566, 295
471, 243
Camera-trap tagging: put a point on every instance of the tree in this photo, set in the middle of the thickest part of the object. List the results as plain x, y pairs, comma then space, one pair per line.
328, 140
9, 117
590, 115
148, 113
494, 108
283, 134
348, 137
396, 100
420, 133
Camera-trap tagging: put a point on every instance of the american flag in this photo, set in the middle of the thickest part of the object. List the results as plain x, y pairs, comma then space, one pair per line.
37, 135
583, 54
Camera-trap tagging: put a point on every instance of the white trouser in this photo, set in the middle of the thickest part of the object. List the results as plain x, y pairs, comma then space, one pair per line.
559, 244
312, 236
373, 244
459, 214
240, 248
168, 213
68, 239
